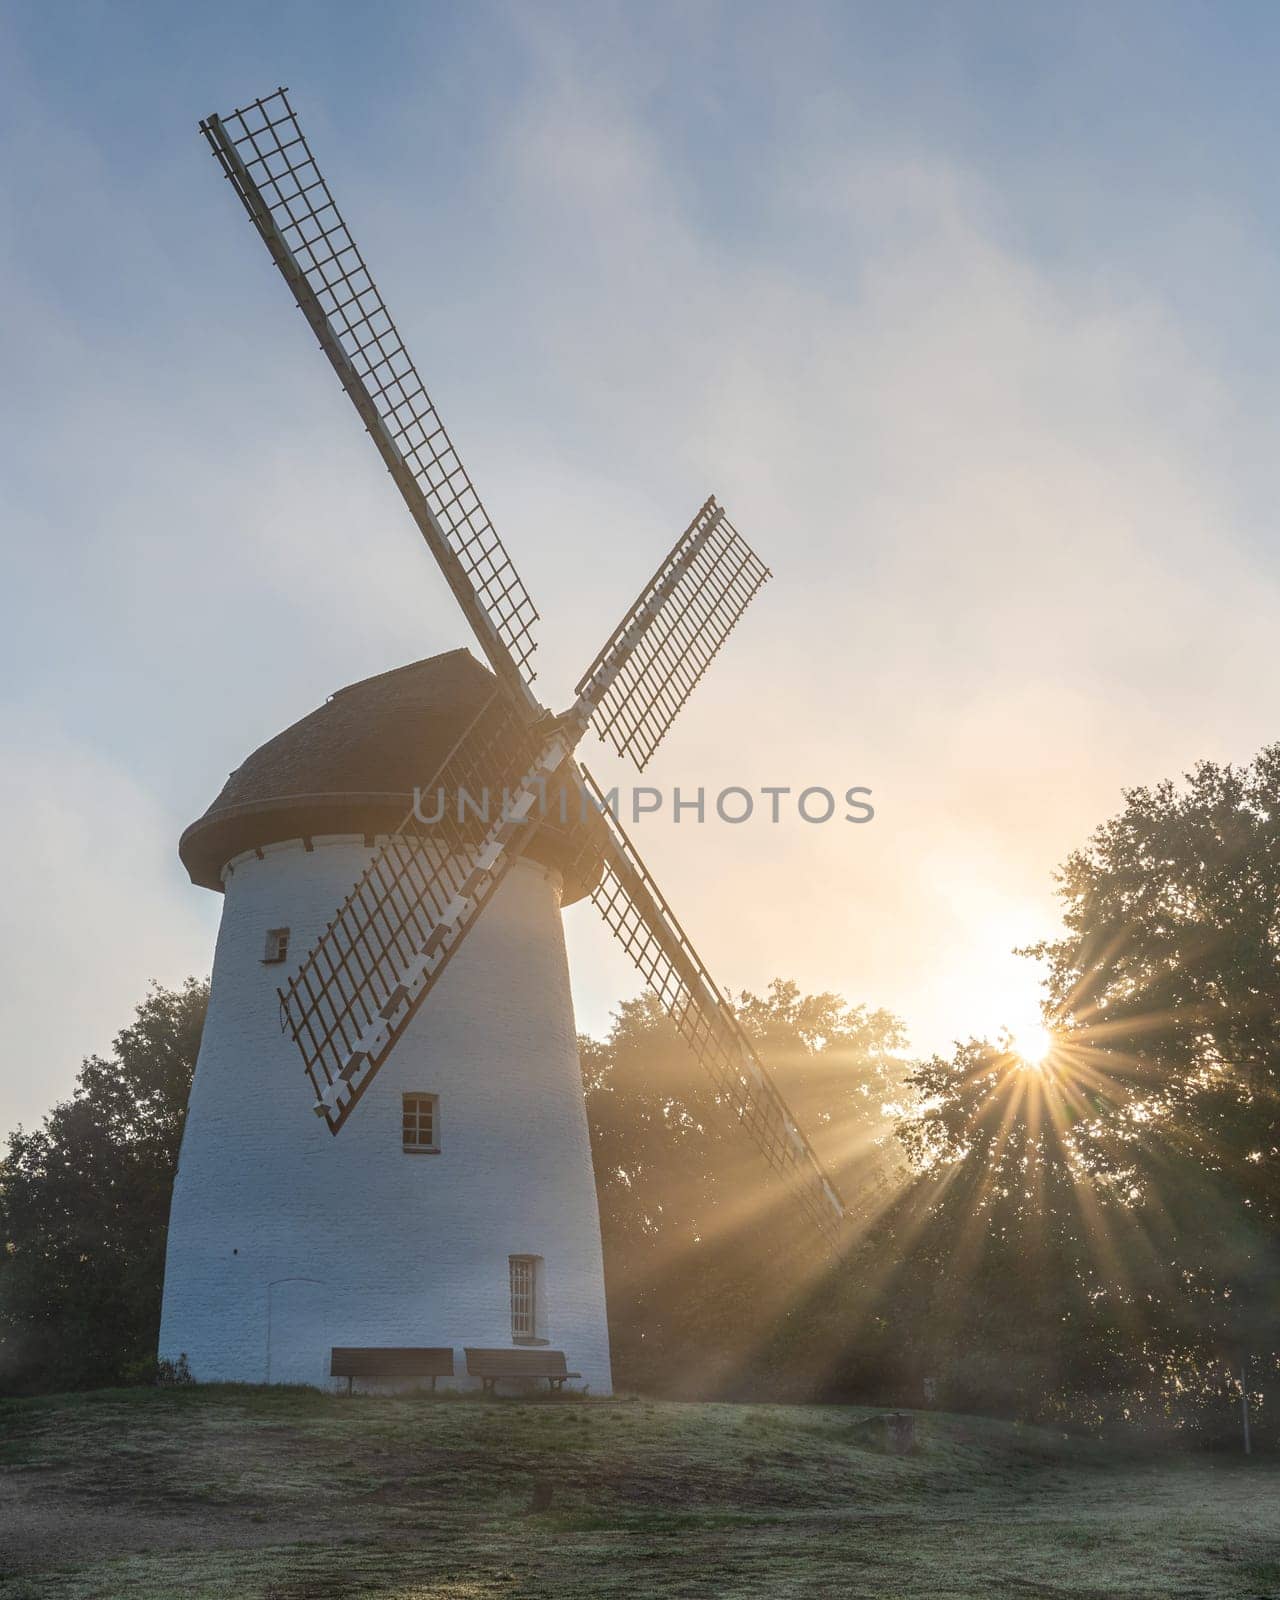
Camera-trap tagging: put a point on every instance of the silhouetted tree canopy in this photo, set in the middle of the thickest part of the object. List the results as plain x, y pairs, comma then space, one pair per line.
84, 1206
1094, 1240
1167, 987
706, 1260
1098, 1238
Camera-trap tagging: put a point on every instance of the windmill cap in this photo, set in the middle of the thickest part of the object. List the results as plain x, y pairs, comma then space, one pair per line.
351, 766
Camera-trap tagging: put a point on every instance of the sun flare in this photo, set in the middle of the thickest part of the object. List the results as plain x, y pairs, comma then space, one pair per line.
1032, 1043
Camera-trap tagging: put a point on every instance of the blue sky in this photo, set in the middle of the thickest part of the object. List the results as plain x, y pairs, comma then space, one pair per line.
966, 312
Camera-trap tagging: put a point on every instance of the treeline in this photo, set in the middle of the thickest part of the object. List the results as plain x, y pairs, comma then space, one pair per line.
1094, 1242
84, 1208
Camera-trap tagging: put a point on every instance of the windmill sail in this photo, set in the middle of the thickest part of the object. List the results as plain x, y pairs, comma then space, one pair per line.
388, 943
410, 911
420, 895
263, 152
636, 913
658, 653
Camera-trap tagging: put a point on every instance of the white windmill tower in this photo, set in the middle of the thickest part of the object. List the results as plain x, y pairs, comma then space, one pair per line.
458, 1209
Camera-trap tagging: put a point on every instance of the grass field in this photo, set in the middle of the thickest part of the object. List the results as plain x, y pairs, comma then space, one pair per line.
283, 1494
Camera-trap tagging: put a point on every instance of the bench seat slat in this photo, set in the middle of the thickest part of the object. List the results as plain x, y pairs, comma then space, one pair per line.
526, 1363
494, 1366
391, 1362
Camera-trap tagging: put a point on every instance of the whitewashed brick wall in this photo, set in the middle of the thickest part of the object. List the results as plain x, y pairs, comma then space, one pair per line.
285, 1240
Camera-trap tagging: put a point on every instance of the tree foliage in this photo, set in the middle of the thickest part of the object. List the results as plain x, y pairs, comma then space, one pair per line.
1098, 1237
1093, 1239
1167, 987
707, 1262
84, 1206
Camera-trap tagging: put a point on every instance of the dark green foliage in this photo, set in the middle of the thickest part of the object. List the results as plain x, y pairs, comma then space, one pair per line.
707, 1263
84, 1205
1100, 1240
1097, 1242
1170, 984
1168, 988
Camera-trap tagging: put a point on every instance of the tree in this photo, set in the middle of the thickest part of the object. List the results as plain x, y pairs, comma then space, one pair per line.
705, 1255
990, 1265
84, 1206
1100, 1237
841, 1070
1167, 987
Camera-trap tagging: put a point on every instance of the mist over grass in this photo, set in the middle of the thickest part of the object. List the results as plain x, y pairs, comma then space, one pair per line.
289, 1494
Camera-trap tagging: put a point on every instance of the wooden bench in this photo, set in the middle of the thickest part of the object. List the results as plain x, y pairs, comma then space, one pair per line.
390, 1363
494, 1366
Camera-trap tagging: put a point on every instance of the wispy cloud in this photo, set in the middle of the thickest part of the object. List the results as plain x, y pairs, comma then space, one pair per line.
1009, 470
92, 911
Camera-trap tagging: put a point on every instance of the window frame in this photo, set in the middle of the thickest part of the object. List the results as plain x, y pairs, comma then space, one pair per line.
417, 1097
276, 949
533, 1318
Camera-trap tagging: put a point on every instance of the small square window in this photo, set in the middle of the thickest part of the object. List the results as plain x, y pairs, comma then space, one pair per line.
277, 945
420, 1123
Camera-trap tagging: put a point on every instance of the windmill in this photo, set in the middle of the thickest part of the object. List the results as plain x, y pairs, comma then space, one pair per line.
430, 893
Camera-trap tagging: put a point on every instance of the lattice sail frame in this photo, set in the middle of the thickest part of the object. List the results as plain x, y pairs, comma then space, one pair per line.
264, 153
637, 914
376, 962
378, 958
412, 907
658, 653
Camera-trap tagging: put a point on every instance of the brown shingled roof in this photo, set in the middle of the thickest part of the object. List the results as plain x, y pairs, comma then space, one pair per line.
350, 766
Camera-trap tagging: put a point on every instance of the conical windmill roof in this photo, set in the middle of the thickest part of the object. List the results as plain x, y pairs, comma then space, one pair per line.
351, 766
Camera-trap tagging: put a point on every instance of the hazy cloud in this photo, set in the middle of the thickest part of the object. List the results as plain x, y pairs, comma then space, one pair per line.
968, 395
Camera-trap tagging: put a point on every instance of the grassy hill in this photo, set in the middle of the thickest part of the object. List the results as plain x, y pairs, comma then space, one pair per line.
285, 1494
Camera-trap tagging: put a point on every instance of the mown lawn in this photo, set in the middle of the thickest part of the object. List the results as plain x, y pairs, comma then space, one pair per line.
285, 1494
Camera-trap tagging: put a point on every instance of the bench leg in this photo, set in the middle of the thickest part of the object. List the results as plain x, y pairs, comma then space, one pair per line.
350, 1381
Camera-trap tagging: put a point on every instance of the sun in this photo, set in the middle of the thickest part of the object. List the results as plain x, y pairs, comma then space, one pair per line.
1032, 1043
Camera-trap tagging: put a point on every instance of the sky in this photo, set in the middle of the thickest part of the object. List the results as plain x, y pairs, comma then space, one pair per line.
966, 313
